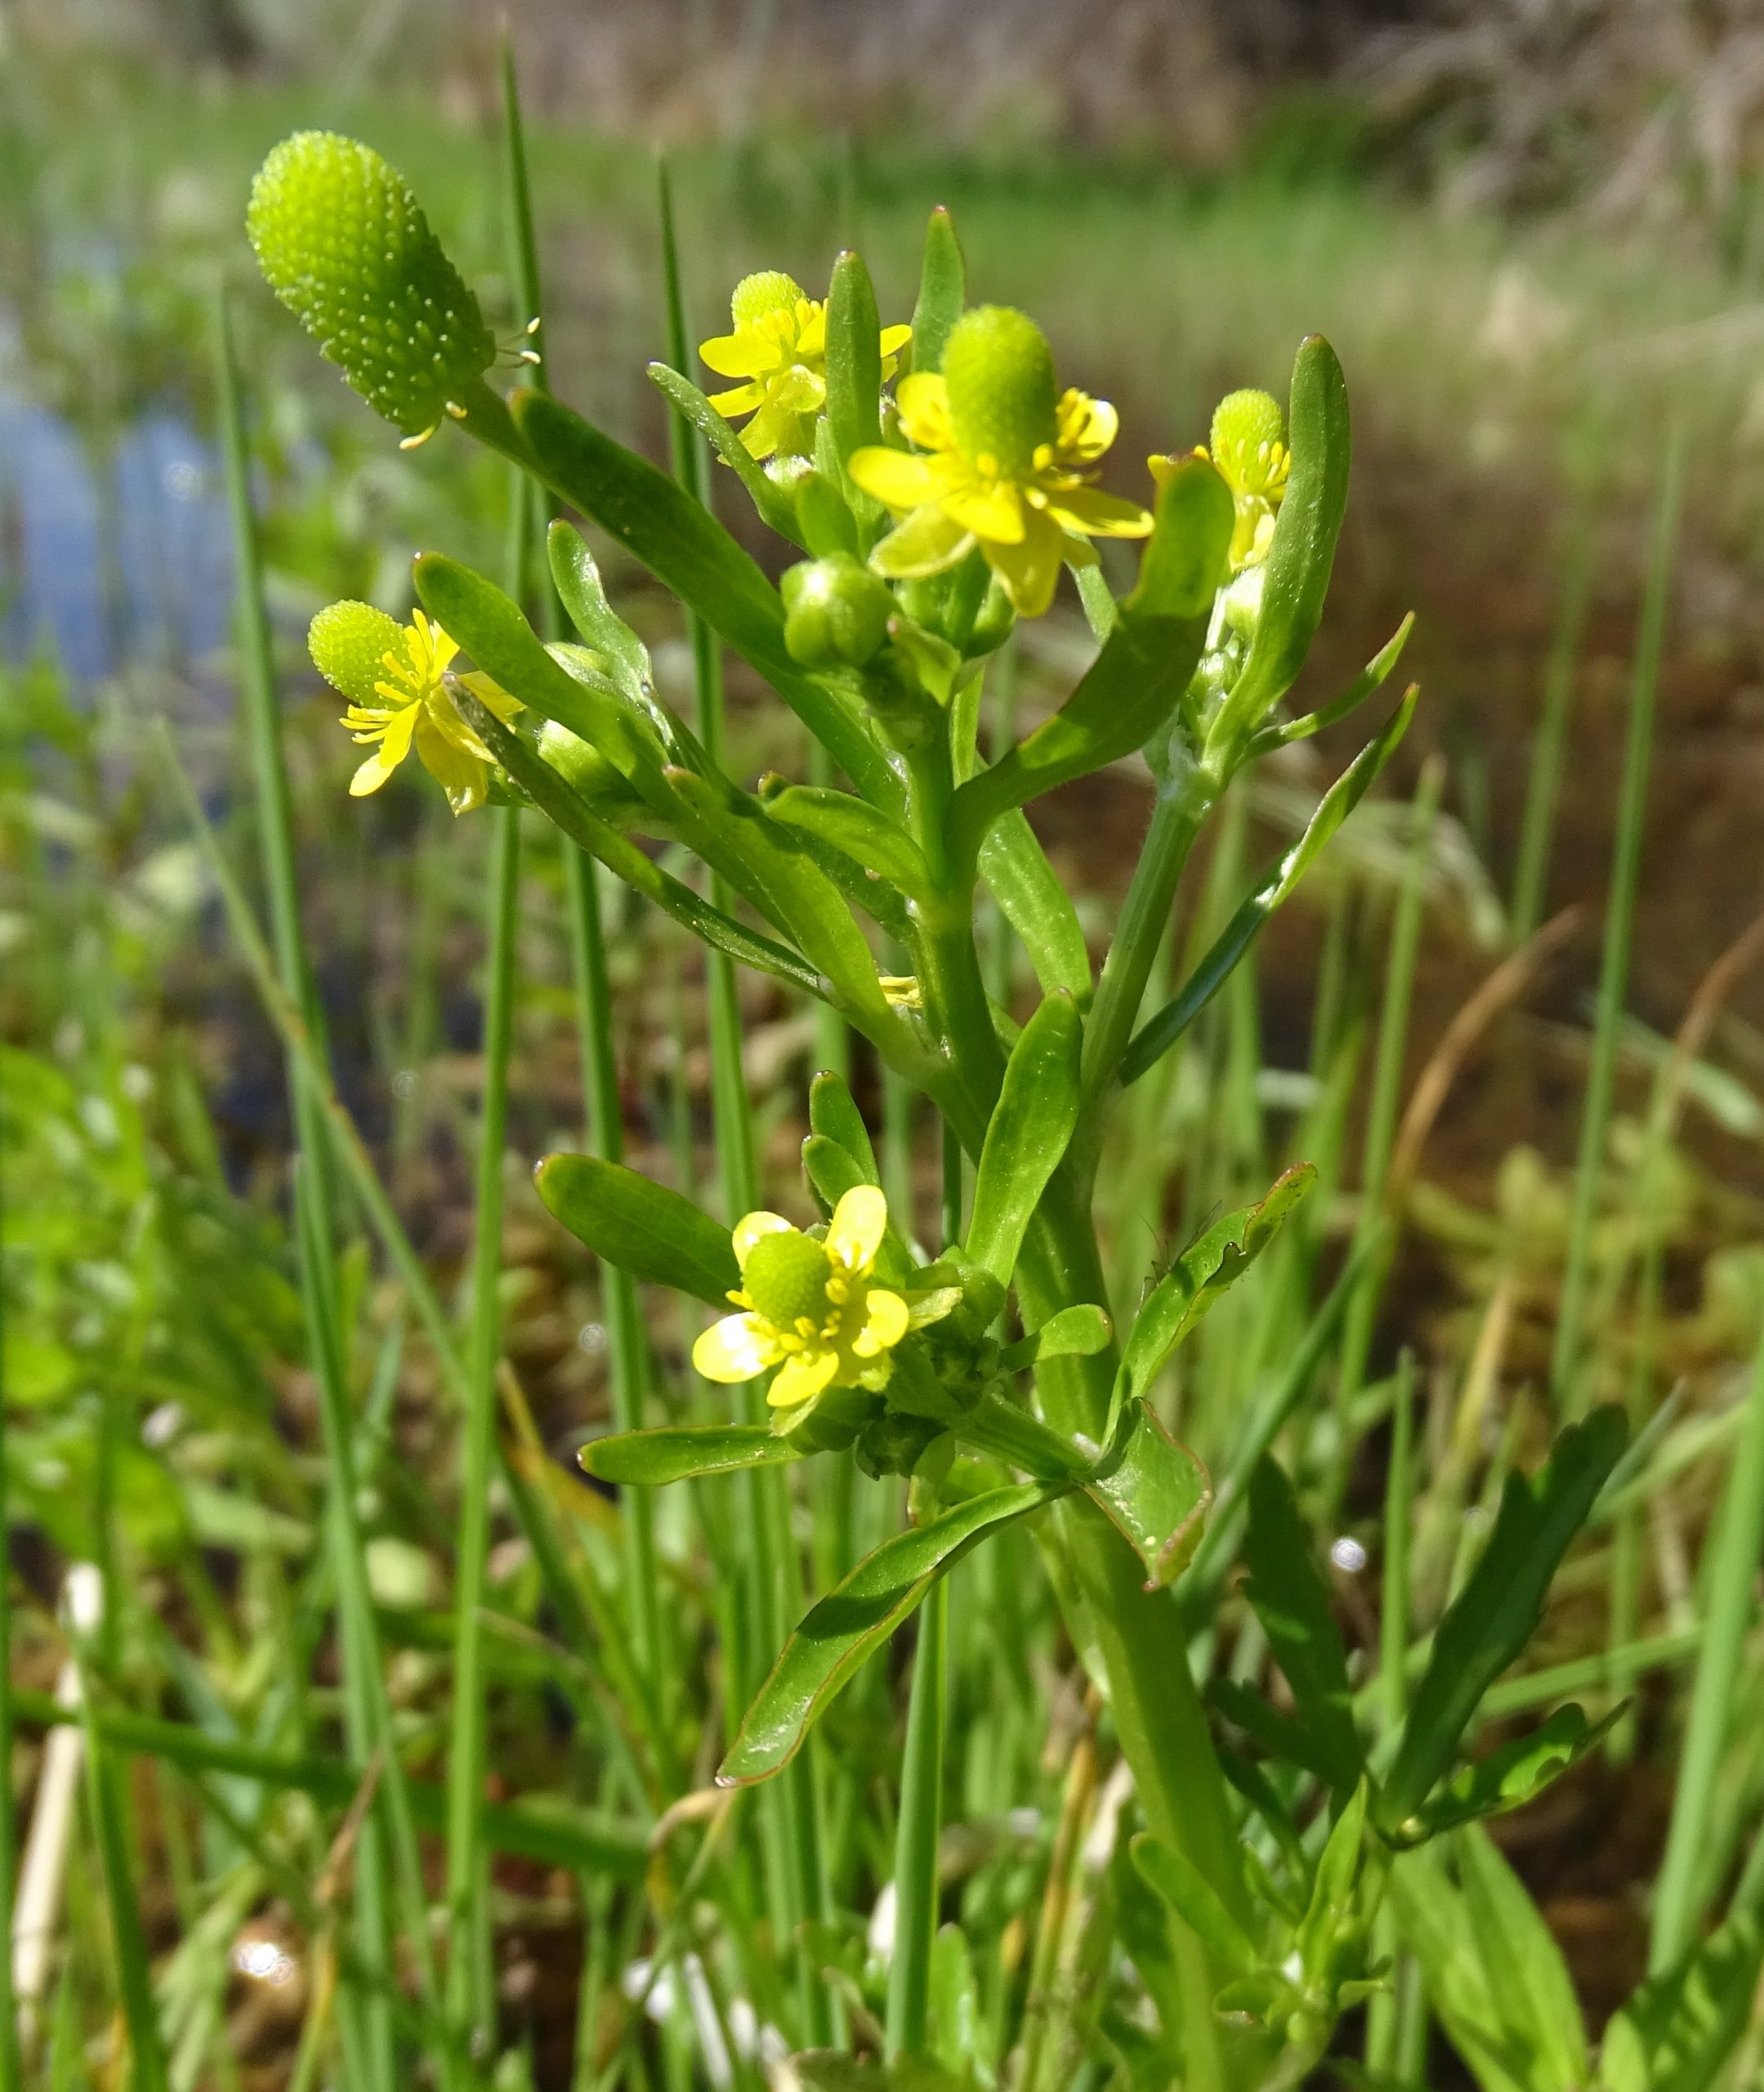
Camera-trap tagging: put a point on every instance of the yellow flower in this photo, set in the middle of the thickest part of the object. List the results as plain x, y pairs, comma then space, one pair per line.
1000, 463
810, 1307
396, 677
779, 347
1249, 448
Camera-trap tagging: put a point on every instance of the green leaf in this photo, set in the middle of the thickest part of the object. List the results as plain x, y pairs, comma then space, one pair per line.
1292, 1601
1189, 1290
1142, 670
831, 2070
1027, 1134
856, 1617
1525, 1969
582, 594
1036, 906
492, 631
1157, 1493
689, 551
854, 357
772, 505
1331, 1907
1195, 1902
1076, 1332
867, 836
831, 1170
1302, 550
1277, 1735
942, 292
1370, 680
1678, 2030
1159, 1033
639, 1226
573, 815
646, 1459
790, 887
1498, 1609
1516, 1772
834, 1113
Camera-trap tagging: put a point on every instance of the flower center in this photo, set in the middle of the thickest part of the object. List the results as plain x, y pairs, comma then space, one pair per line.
1249, 443
786, 1279
770, 290
999, 373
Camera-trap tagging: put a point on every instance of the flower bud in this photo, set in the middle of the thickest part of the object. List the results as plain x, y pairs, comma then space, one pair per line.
999, 373
344, 244
349, 643
836, 612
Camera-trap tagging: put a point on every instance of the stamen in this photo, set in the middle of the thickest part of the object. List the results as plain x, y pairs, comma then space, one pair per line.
416, 442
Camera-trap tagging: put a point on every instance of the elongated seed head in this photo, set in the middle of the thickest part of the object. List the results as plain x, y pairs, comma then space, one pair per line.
344, 244
1002, 399
349, 643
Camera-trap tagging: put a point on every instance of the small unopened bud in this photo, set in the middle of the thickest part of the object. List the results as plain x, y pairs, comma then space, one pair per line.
836, 612
344, 244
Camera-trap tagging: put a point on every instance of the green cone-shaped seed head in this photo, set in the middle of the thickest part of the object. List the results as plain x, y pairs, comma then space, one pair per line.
786, 1279
349, 643
1003, 398
769, 290
344, 244
1248, 442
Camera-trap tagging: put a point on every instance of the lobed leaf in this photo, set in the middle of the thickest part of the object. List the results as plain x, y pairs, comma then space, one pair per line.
1076, 1332
1370, 680
639, 1226
1159, 1033
1498, 1609
1143, 668
855, 1617
576, 578
1036, 906
771, 504
869, 837
1515, 1772
1027, 1134
1156, 1493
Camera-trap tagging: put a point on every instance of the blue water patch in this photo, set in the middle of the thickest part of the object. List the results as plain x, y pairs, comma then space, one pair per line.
110, 557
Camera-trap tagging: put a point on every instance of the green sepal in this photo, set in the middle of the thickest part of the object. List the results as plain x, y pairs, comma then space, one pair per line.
1497, 1611
1159, 1033
1513, 1773
942, 292
1036, 906
1143, 670
1027, 1134
853, 825
771, 503
630, 1220
1291, 1599
835, 1636
1195, 1902
690, 553
1301, 552
646, 1460
1215, 1259
1156, 1493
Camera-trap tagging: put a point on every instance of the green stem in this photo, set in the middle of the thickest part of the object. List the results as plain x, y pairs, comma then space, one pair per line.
1739, 1535
1619, 923
915, 1928
1537, 830
467, 2009
10, 2071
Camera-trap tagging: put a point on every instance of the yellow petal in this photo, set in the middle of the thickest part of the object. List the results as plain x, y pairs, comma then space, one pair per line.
800, 1378
854, 1233
886, 1321
464, 777
394, 747
743, 399
894, 339
739, 1347
734, 355
898, 479
927, 542
1086, 428
490, 694
1030, 570
994, 514
748, 1229
811, 328
1102, 514
923, 401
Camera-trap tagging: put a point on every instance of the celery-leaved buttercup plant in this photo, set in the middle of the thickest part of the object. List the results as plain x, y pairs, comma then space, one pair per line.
933, 483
